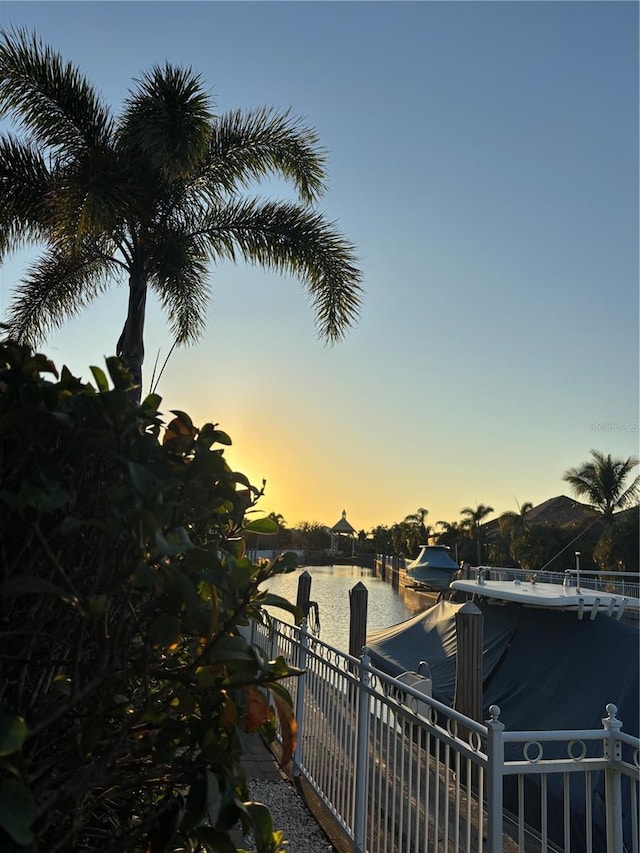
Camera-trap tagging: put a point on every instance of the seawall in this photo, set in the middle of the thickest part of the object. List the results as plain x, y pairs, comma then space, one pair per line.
391, 569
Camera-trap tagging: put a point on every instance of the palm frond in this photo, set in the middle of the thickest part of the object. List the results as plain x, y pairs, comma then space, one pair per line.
248, 145
178, 275
629, 495
92, 196
475, 516
49, 99
293, 240
166, 121
580, 478
58, 286
24, 184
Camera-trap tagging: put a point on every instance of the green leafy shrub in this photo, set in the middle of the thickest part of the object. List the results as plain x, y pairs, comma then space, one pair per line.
126, 686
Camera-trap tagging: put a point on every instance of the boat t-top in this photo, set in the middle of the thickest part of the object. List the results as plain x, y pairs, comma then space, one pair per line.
432, 569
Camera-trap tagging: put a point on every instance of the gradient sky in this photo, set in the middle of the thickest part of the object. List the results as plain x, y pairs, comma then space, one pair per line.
483, 157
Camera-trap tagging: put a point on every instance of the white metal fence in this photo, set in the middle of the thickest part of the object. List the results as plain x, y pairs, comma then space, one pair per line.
402, 772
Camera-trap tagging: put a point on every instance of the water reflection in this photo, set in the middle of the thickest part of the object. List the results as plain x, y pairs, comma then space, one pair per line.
330, 587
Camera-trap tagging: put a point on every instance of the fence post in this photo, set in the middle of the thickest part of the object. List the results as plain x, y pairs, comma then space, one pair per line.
495, 768
361, 782
300, 687
358, 601
612, 780
304, 593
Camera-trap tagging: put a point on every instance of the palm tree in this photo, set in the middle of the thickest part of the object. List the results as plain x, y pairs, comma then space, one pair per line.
282, 535
417, 520
152, 197
381, 536
513, 528
451, 536
473, 518
417, 531
514, 523
603, 482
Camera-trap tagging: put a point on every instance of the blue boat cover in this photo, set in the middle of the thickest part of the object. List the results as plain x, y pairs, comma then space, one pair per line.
546, 669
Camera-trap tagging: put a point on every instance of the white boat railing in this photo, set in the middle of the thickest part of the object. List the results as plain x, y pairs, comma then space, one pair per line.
623, 584
402, 772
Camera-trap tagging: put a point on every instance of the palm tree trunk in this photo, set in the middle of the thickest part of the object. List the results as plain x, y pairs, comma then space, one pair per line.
130, 346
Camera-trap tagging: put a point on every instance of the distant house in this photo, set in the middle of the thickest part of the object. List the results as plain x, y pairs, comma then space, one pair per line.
560, 510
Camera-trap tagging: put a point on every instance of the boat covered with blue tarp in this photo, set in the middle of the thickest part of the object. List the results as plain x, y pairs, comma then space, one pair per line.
432, 568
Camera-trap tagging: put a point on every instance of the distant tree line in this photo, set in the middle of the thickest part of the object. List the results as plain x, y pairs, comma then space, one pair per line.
605, 529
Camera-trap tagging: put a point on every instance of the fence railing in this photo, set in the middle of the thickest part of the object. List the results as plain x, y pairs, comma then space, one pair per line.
402, 772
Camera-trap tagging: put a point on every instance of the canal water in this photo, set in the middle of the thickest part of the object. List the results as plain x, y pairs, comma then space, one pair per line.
330, 586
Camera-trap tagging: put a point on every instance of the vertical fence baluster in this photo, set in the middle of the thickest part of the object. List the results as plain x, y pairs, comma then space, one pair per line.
302, 663
588, 789
362, 754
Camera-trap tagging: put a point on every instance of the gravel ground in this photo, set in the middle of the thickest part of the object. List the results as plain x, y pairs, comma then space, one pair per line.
291, 816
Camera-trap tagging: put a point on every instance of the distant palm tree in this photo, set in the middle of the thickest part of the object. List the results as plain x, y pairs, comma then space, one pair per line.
515, 523
283, 535
417, 520
152, 196
472, 519
451, 536
603, 482
418, 532
278, 518
381, 536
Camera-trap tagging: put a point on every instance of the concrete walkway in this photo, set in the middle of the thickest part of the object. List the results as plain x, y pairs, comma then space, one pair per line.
260, 763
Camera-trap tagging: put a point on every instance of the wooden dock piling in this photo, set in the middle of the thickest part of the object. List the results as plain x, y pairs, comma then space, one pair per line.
468, 689
304, 593
358, 603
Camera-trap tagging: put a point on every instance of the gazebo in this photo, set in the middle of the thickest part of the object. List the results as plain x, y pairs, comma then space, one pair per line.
342, 528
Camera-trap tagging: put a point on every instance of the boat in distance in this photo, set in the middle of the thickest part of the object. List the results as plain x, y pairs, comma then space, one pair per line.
432, 569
